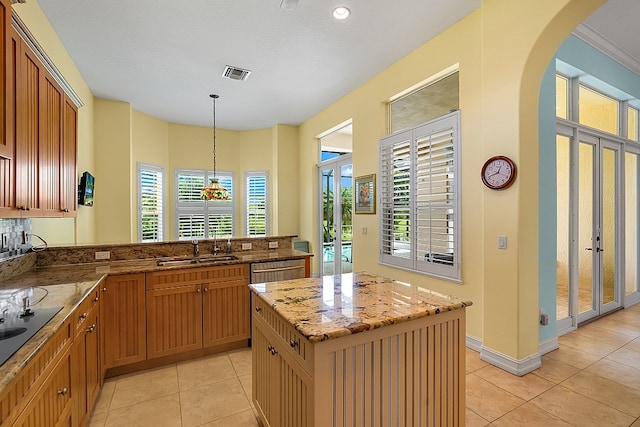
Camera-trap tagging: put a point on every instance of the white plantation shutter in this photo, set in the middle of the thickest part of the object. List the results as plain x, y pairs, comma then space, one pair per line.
197, 218
256, 203
150, 203
395, 199
420, 223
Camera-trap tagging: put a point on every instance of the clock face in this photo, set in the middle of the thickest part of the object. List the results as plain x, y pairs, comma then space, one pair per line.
498, 172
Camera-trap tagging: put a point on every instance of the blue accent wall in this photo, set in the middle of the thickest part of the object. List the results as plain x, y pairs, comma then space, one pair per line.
578, 55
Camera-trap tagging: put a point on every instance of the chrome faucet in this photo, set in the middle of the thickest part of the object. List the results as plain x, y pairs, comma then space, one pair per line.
196, 248
4, 315
25, 306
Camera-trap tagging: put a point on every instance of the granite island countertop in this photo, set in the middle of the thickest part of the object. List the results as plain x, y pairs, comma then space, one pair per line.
67, 285
335, 306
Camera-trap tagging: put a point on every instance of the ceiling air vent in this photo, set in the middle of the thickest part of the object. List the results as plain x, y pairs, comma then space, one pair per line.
235, 73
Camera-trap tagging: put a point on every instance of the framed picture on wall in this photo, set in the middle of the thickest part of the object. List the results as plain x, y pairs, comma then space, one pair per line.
365, 194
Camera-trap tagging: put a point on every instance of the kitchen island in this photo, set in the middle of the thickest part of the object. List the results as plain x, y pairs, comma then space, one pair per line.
357, 350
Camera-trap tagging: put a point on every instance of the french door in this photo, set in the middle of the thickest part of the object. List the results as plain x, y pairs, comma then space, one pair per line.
590, 223
336, 193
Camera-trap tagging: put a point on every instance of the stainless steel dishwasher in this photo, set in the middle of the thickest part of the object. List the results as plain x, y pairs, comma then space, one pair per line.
272, 271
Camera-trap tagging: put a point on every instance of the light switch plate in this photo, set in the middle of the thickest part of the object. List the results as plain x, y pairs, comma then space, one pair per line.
502, 242
273, 245
246, 246
5, 240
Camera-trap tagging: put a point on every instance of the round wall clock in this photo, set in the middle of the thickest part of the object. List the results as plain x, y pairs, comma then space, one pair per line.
498, 172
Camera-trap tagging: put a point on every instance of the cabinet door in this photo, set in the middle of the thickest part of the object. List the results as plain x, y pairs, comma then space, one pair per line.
8, 207
6, 98
52, 404
265, 376
86, 370
50, 145
174, 320
29, 89
68, 172
226, 312
123, 317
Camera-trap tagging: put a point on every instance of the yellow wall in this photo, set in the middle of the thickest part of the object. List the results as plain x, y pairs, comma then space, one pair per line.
83, 228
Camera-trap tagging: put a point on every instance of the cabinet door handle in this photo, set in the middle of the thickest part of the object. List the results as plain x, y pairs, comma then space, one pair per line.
258, 309
91, 328
198, 289
96, 299
274, 351
205, 289
84, 315
63, 391
65, 210
293, 343
104, 289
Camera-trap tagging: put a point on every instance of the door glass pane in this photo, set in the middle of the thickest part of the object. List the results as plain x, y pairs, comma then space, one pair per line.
562, 96
631, 225
598, 111
562, 215
609, 225
328, 230
346, 229
585, 228
632, 123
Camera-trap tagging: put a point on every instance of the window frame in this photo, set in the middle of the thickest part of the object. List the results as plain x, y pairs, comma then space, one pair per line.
248, 176
161, 217
205, 208
407, 141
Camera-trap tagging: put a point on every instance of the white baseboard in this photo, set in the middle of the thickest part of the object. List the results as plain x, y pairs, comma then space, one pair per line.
474, 343
548, 346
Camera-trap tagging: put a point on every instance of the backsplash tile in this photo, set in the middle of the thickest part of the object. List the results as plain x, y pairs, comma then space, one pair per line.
11, 233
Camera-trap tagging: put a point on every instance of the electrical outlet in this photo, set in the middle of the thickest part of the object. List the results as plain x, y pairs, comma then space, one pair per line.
25, 237
103, 255
5, 240
273, 245
544, 318
246, 246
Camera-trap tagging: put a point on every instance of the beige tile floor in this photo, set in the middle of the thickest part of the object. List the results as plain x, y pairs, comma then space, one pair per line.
593, 379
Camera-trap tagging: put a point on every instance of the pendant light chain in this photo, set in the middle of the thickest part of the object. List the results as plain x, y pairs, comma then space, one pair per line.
214, 133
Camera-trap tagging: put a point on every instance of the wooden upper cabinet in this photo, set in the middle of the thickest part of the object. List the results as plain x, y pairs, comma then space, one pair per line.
8, 207
6, 146
46, 123
29, 88
68, 156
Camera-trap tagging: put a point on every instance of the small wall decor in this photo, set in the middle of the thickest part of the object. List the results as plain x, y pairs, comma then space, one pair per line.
365, 194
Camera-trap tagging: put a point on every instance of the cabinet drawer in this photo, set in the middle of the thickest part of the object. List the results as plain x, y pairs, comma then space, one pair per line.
292, 339
196, 276
88, 304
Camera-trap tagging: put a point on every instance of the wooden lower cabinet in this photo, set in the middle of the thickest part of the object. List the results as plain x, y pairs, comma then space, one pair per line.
87, 369
282, 392
198, 308
52, 406
410, 373
123, 316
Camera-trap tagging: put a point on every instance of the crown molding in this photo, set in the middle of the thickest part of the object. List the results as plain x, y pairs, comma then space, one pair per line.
33, 44
607, 47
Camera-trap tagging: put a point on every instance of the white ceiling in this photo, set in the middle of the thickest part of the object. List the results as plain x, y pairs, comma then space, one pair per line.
166, 56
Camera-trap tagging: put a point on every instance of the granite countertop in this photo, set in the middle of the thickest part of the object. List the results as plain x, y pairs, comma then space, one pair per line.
67, 285
335, 306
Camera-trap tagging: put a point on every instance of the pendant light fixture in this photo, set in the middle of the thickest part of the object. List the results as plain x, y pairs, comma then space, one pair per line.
214, 191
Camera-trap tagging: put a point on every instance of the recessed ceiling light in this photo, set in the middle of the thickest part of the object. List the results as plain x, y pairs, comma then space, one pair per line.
341, 12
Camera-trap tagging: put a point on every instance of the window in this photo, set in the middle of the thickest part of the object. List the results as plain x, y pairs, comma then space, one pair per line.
433, 100
150, 203
632, 123
597, 110
419, 198
562, 97
197, 218
256, 204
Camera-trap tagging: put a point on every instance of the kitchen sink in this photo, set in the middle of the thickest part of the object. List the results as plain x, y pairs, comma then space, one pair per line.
15, 331
199, 260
